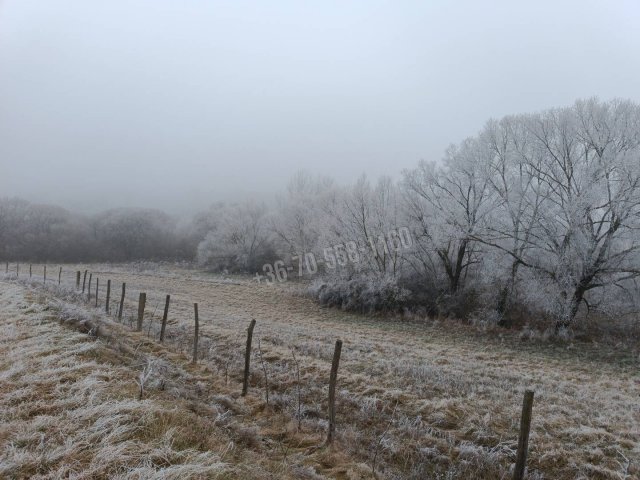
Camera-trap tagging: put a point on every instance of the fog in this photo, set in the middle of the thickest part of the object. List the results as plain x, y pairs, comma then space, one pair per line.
176, 105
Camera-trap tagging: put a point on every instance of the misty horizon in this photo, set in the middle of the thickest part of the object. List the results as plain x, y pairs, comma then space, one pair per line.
176, 107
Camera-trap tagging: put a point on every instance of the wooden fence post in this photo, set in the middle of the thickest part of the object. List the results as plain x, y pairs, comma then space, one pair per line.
89, 289
164, 317
124, 287
106, 305
30, 271
523, 440
44, 279
332, 392
247, 358
59, 275
17, 269
84, 280
78, 280
97, 283
142, 300
196, 333
7, 269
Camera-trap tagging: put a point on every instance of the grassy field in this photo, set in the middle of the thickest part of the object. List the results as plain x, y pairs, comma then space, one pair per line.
416, 398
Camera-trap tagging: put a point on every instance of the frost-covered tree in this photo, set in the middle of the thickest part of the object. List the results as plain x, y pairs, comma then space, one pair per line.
135, 234
568, 181
362, 218
298, 220
548, 202
586, 237
241, 240
517, 202
361, 247
447, 203
41, 232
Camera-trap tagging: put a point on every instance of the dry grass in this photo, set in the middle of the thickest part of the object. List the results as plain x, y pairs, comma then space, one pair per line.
417, 399
69, 404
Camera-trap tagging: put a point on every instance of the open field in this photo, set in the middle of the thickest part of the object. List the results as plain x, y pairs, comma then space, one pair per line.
416, 399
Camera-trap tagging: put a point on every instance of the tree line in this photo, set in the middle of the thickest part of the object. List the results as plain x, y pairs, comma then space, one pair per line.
537, 213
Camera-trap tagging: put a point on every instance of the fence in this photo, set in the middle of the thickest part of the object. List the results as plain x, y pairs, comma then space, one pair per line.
525, 419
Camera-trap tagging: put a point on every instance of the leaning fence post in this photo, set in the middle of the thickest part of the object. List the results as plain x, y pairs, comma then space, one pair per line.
84, 280
164, 317
78, 280
195, 335
59, 275
89, 288
97, 283
142, 300
124, 287
247, 358
106, 305
523, 440
332, 392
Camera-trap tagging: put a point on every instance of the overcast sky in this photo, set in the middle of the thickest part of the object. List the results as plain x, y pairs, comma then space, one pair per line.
177, 104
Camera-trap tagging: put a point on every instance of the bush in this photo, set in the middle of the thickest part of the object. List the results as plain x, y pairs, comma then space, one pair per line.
361, 293
432, 296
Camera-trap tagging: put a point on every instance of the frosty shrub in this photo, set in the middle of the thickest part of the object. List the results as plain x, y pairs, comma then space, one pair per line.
360, 293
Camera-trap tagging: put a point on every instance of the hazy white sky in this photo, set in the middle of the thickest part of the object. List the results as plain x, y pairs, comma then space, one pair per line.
176, 104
